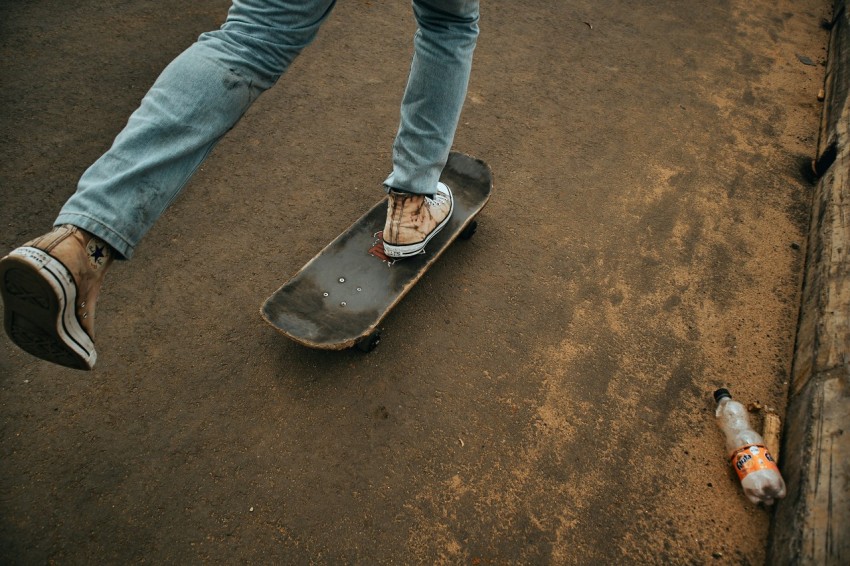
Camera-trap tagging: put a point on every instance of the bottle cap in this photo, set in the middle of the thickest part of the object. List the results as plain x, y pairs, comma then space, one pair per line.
721, 394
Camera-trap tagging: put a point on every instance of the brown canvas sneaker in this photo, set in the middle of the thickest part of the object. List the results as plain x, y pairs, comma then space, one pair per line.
412, 220
49, 287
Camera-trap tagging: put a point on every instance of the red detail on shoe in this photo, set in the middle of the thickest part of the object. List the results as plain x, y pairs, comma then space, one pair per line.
377, 248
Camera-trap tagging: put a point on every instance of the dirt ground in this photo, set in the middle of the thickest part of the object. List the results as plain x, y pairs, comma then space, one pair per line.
542, 396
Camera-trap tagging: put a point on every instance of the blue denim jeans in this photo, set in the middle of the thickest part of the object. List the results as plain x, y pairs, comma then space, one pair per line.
205, 90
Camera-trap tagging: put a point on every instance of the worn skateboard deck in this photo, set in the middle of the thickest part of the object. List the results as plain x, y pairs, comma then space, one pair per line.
339, 298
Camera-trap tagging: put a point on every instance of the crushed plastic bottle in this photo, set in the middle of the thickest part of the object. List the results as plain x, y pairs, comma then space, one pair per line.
754, 465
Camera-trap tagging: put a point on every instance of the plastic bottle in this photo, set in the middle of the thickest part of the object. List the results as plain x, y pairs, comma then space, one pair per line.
756, 468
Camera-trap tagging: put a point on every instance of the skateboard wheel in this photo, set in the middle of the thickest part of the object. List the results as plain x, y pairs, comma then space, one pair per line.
469, 230
370, 342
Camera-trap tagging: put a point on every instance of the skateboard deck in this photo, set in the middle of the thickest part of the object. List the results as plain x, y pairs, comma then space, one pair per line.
340, 297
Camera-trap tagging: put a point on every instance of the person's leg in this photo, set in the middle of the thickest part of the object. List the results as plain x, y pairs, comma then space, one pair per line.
193, 103
419, 205
436, 90
50, 285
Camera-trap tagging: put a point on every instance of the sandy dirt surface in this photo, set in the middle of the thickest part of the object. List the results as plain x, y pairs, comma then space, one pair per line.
542, 396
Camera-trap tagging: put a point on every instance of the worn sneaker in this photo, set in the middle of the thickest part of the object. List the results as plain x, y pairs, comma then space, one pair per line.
412, 220
50, 287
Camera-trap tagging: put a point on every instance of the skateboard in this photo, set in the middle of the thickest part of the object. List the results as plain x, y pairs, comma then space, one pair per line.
340, 297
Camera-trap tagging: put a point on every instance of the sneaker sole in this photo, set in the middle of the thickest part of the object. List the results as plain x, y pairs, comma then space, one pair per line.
398, 252
39, 295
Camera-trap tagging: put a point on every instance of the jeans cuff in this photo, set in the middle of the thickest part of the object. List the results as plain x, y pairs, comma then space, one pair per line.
123, 248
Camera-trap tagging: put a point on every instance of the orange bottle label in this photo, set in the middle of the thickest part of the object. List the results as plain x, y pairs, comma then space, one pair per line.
752, 458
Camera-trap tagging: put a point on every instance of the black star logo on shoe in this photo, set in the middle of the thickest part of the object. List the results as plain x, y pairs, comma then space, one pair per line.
97, 255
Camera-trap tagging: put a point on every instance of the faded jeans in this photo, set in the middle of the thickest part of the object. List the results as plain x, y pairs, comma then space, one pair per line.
201, 95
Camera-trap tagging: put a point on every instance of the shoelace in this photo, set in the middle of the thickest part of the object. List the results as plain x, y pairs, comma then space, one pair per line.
438, 199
